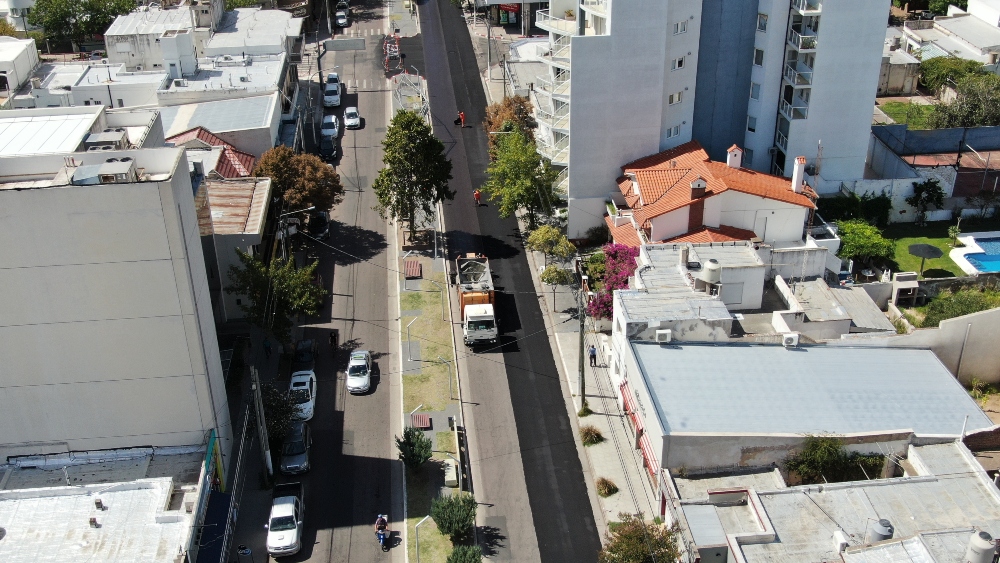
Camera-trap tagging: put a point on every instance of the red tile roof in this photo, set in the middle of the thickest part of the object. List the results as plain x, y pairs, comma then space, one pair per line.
624, 234
233, 163
724, 233
665, 181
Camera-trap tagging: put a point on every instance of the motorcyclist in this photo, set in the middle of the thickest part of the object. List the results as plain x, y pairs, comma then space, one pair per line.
381, 524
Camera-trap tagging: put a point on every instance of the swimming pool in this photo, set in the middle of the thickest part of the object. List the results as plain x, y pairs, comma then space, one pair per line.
989, 260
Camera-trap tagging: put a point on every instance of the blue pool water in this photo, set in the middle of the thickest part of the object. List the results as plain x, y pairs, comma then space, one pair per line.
988, 261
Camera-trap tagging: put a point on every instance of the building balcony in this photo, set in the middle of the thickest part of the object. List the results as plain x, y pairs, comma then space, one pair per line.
558, 55
558, 120
557, 152
798, 74
805, 41
545, 20
781, 140
797, 109
558, 89
807, 7
599, 7
561, 185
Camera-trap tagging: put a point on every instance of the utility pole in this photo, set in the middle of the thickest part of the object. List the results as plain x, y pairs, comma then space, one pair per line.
580, 313
265, 448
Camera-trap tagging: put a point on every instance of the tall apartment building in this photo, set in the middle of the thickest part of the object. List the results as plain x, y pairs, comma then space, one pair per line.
630, 78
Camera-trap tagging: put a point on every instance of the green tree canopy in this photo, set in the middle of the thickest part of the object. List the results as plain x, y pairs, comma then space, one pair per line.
941, 6
465, 553
279, 412
416, 172
274, 292
938, 71
926, 194
8, 29
551, 242
519, 178
862, 241
637, 541
75, 20
414, 448
454, 514
824, 459
977, 104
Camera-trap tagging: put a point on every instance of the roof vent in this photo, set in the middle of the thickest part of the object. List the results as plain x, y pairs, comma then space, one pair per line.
880, 530
99, 504
111, 160
840, 541
94, 523
126, 159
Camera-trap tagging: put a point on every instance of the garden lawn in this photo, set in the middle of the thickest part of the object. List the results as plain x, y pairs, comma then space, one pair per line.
914, 115
934, 233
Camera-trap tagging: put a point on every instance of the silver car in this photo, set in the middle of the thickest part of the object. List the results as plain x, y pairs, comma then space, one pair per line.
359, 372
295, 449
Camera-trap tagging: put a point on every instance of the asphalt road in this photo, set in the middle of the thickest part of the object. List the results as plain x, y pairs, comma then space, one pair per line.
355, 474
519, 383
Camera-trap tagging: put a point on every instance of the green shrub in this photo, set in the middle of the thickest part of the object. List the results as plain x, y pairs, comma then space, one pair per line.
948, 305
871, 208
937, 72
599, 235
584, 410
414, 448
454, 514
823, 459
606, 487
590, 435
466, 554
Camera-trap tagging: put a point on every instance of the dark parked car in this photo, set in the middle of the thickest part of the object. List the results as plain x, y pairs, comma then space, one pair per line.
319, 225
328, 149
295, 449
305, 356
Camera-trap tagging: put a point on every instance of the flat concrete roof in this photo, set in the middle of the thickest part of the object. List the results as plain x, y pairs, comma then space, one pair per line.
103, 74
762, 389
44, 131
864, 313
933, 514
237, 72
11, 47
246, 27
818, 302
972, 30
219, 116
667, 305
150, 20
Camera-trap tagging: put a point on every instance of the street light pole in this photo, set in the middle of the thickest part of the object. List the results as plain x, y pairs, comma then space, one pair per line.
451, 391
580, 313
265, 447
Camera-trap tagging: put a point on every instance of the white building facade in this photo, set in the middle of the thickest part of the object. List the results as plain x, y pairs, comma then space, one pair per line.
630, 78
106, 327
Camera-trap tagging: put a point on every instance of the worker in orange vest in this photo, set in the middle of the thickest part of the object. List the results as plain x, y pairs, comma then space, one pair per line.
478, 195
461, 118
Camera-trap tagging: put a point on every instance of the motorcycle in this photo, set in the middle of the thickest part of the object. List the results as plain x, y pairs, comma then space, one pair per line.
383, 535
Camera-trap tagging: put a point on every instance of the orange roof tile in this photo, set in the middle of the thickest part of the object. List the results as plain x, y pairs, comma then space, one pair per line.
624, 234
724, 233
233, 163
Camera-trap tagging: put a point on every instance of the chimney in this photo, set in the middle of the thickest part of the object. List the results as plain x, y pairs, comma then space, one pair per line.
698, 186
36, 84
799, 174
734, 157
684, 256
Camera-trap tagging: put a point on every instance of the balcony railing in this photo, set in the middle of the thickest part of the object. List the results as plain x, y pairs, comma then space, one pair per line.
802, 42
559, 87
555, 120
807, 8
548, 22
781, 140
801, 76
598, 6
790, 111
561, 185
558, 54
557, 152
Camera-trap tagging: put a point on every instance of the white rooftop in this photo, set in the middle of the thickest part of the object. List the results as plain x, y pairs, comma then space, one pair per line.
11, 47
45, 130
151, 20
246, 28
933, 514
973, 30
227, 72
761, 389
220, 116
103, 74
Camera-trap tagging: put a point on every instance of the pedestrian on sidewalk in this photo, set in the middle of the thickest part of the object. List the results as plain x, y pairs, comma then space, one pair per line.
592, 352
267, 348
461, 118
333, 342
478, 196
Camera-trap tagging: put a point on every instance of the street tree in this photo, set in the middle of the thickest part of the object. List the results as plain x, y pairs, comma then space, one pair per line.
551, 242
977, 104
465, 553
634, 540
274, 292
75, 20
519, 178
926, 194
454, 515
316, 183
862, 241
416, 173
414, 448
938, 72
7, 29
554, 275
513, 113
279, 412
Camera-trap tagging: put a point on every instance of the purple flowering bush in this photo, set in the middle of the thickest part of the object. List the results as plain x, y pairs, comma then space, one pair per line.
619, 264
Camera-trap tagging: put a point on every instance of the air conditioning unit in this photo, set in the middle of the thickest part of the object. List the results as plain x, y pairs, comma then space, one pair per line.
104, 61
663, 336
790, 339
138, 68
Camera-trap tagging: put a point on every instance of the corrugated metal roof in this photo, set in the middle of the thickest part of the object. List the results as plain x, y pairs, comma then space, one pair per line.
760, 389
220, 116
704, 523
232, 207
45, 134
864, 313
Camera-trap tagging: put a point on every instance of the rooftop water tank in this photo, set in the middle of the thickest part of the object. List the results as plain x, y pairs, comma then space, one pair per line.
711, 272
981, 548
880, 530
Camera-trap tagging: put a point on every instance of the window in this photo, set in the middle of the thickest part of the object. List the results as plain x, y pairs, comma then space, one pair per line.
758, 57
204, 11
680, 27
677, 63
751, 123
674, 98
157, 65
86, 102
121, 103
761, 22
754, 91
673, 131
747, 158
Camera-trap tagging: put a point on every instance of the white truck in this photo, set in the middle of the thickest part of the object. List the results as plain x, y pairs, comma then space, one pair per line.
284, 527
477, 297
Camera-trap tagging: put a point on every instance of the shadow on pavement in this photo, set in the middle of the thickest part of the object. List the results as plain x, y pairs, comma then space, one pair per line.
352, 244
491, 540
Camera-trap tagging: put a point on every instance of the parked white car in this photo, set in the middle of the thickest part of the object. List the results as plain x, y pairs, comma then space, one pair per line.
352, 120
331, 95
302, 390
359, 372
331, 127
342, 19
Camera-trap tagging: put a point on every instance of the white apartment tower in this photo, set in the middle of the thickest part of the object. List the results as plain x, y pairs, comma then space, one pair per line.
629, 78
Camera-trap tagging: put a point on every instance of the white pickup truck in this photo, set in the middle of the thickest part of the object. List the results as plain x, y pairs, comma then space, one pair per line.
284, 527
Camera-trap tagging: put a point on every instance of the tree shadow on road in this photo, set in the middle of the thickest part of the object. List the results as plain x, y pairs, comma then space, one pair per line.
352, 244
491, 540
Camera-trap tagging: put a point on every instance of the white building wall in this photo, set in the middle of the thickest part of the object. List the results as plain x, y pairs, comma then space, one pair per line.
107, 340
986, 10
713, 211
848, 59
742, 288
771, 220
117, 94
768, 76
669, 225
18, 66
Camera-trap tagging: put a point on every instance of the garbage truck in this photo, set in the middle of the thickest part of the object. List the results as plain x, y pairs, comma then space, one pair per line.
477, 297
